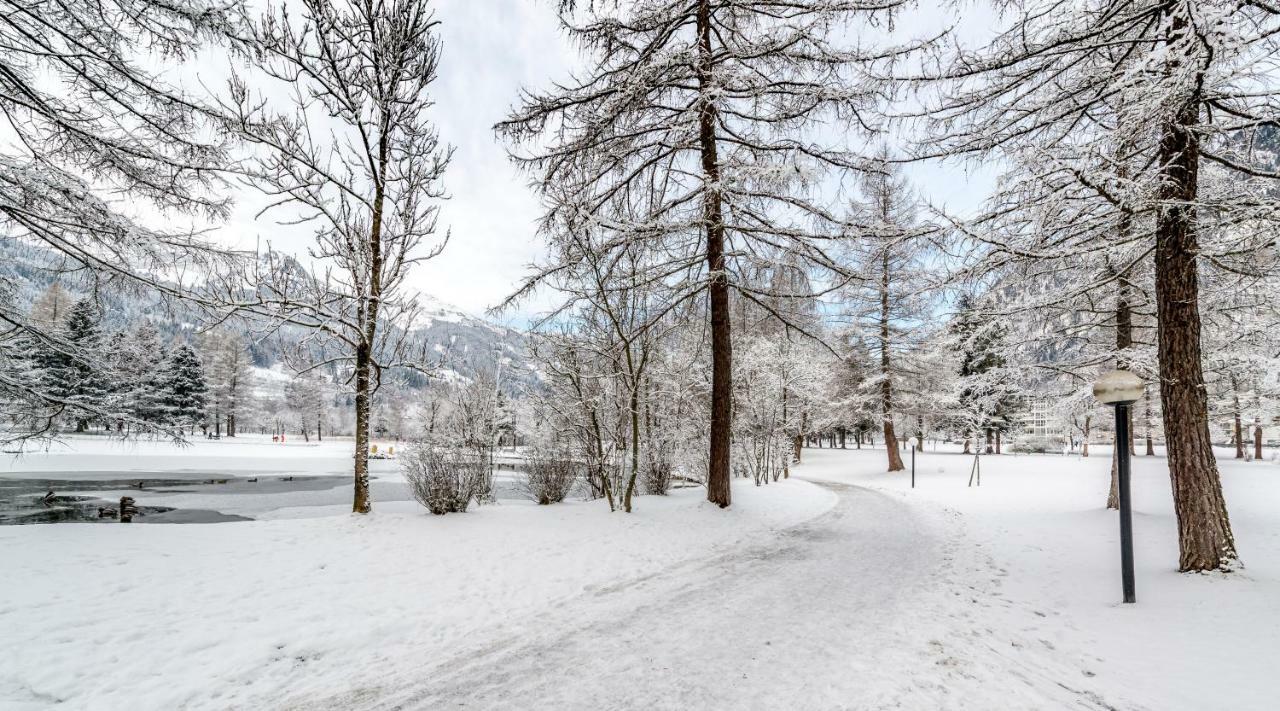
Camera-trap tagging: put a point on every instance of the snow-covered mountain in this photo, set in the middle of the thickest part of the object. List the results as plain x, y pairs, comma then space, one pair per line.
463, 344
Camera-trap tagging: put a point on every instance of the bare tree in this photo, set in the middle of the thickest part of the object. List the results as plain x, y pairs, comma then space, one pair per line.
357, 159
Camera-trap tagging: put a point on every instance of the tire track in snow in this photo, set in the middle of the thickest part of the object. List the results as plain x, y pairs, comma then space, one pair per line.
872, 605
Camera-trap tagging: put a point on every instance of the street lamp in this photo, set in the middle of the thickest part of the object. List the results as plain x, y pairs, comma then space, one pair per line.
1122, 388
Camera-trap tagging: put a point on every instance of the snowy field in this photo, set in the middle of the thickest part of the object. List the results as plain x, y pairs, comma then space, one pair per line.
846, 590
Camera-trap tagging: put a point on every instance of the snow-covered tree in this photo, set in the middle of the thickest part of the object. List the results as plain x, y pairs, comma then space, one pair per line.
307, 396
890, 305
1179, 89
699, 136
357, 157
92, 126
88, 382
229, 373
181, 388
987, 391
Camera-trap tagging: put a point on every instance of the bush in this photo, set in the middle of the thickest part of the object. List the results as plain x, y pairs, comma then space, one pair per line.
444, 480
549, 476
657, 475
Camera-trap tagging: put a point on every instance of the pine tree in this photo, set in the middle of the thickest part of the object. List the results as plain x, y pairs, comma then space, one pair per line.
181, 388
88, 384
987, 396
142, 358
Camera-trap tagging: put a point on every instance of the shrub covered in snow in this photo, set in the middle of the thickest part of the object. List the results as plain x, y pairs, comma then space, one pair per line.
444, 479
550, 475
657, 473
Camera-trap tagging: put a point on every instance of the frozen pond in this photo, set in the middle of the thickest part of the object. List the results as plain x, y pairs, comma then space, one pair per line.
204, 482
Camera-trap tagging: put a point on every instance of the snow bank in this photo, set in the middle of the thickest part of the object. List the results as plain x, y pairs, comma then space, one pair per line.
254, 614
97, 457
1191, 642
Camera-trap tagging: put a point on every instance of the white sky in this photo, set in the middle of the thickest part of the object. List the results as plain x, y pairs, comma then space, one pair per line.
492, 48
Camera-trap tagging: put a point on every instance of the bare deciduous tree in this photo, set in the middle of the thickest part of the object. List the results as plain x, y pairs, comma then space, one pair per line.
357, 158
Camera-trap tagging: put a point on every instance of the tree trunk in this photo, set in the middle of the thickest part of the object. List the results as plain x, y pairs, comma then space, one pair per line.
1151, 445
1238, 427
1124, 340
1084, 442
1113, 496
999, 447
361, 503
990, 446
635, 445
968, 445
886, 383
319, 419
1257, 439
721, 426
1204, 531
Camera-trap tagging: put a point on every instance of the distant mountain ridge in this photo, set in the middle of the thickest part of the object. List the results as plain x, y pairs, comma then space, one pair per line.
466, 344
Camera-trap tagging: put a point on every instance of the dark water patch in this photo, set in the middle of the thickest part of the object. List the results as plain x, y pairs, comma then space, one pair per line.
37, 499
35, 509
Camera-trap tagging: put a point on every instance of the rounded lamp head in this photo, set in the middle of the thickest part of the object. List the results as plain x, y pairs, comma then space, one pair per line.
1118, 386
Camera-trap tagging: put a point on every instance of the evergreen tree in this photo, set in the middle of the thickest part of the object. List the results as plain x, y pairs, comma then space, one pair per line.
182, 389
86, 383
987, 397
142, 358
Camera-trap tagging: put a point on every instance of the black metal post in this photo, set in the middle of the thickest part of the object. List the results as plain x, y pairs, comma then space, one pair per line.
913, 466
1126, 511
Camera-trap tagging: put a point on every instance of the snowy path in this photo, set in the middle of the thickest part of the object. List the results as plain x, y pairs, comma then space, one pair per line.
860, 608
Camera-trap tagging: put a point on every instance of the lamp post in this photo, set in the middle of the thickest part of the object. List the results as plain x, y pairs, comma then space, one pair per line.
1122, 388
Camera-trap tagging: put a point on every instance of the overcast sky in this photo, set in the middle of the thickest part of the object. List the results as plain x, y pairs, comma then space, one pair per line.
492, 48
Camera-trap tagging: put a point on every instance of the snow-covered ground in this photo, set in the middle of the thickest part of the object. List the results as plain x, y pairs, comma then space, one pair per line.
848, 590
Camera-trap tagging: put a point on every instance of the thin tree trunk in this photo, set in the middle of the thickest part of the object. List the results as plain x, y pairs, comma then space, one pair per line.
361, 503
635, 445
1257, 439
1239, 427
1124, 341
721, 428
1204, 531
886, 382
1151, 445
369, 333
